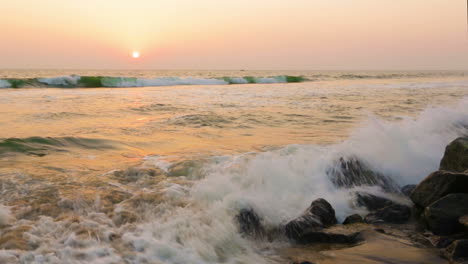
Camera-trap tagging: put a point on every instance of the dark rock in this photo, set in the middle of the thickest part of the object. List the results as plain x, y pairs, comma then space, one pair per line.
408, 189
456, 156
372, 202
457, 251
353, 219
442, 216
303, 262
437, 185
327, 237
394, 214
249, 223
320, 214
351, 172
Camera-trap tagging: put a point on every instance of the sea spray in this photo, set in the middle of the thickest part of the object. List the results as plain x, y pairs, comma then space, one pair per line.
192, 219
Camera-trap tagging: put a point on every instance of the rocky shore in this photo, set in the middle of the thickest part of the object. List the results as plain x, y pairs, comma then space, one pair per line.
428, 223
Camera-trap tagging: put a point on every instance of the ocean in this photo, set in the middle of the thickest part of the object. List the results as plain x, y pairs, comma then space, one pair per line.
153, 166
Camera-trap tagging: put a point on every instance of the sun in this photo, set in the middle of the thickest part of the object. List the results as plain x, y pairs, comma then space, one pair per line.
136, 54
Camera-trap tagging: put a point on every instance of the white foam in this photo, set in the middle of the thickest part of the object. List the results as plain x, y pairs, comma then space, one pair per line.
69, 80
196, 224
5, 215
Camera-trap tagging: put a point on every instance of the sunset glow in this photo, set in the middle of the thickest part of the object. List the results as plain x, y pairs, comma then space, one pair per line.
259, 34
136, 54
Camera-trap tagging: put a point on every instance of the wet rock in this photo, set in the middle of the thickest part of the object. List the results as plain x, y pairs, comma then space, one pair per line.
372, 202
353, 219
351, 172
442, 216
320, 214
394, 214
324, 236
456, 156
408, 189
249, 223
457, 251
437, 185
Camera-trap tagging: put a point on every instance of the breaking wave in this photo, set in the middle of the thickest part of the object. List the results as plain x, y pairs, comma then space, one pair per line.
75, 81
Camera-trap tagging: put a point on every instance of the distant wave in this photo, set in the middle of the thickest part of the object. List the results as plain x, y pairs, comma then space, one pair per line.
75, 81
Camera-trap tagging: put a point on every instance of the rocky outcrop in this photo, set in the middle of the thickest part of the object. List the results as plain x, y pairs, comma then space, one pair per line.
353, 219
372, 202
437, 185
442, 216
351, 172
394, 214
319, 215
456, 156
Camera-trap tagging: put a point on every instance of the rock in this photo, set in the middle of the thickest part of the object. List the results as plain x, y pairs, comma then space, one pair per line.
372, 202
320, 214
456, 156
408, 189
394, 214
457, 251
331, 235
353, 219
303, 262
437, 185
249, 223
351, 172
442, 216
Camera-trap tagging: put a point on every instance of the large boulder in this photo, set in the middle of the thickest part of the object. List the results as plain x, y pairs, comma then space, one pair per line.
372, 202
442, 216
394, 214
437, 185
456, 156
319, 215
457, 251
351, 172
249, 223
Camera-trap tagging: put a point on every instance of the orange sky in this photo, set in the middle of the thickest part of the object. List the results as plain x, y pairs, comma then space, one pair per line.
241, 34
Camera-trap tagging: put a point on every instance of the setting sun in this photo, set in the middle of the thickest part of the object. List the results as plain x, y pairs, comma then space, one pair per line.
136, 54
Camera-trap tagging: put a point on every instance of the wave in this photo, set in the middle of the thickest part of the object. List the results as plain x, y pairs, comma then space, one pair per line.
279, 184
192, 219
41, 146
75, 81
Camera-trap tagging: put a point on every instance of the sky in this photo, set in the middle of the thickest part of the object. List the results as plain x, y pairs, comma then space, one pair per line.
240, 34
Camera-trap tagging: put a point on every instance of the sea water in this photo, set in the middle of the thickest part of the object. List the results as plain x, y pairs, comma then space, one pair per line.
153, 166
